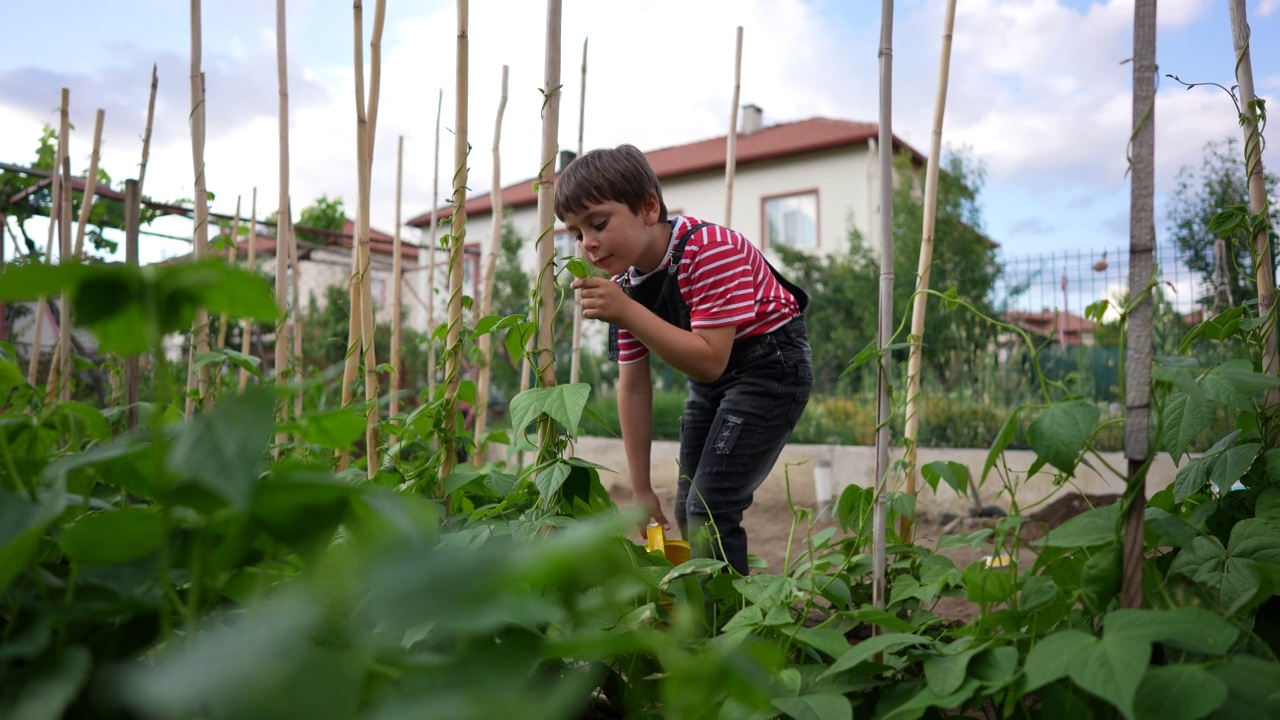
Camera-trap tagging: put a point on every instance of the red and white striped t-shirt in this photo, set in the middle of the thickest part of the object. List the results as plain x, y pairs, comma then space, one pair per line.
724, 280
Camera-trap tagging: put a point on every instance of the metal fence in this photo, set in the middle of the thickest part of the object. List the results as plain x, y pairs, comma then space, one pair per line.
1070, 281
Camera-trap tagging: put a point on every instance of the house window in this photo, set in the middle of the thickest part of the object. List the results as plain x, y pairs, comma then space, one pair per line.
564, 248
791, 220
471, 278
378, 286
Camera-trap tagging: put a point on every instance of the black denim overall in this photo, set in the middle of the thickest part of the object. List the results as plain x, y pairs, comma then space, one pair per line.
734, 427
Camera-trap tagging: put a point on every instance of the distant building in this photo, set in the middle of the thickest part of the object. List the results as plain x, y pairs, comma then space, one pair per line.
1064, 328
324, 260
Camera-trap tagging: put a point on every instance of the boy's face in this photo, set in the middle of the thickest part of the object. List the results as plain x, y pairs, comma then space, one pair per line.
613, 237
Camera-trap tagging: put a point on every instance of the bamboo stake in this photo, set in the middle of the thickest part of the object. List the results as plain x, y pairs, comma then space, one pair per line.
545, 353
397, 378
132, 217
223, 319
546, 197
198, 380
919, 304
731, 152
60, 371
146, 135
33, 362
252, 262
881, 516
457, 238
1142, 273
1258, 205
354, 332
4, 308
575, 359
431, 258
486, 296
294, 282
366, 130
90, 184
351, 365
283, 222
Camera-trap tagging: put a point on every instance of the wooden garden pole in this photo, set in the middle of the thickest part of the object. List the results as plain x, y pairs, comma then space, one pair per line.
546, 198
4, 308
1258, 204
881, 516
545, 352
132, 223
294, 282
146, 135
252, 262
60, 370
919, 303
198, 380
431, 258
731, 151
231, 260
575, 357
366, 131
90, 185
457, 237
283, 222
486, 296
55, 209
397, 378
1138, 345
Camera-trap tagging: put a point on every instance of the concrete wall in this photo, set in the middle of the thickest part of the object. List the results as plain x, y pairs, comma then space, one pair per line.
856, 465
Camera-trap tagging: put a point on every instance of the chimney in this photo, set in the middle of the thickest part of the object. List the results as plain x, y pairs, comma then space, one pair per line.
752, 119
566, 157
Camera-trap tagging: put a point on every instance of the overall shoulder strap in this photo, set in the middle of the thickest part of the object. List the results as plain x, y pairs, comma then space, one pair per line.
678, 250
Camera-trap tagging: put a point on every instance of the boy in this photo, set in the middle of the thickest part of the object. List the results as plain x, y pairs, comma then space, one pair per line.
706, 301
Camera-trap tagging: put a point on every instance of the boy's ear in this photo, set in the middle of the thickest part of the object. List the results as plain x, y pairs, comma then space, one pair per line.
651, 211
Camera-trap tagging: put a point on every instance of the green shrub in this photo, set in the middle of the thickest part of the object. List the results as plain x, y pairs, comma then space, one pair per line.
668, 406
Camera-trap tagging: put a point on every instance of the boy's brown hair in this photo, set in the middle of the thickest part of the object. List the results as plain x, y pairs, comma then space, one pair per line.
621, 174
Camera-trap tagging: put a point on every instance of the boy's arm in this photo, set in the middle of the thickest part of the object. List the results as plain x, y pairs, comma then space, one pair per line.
635, 415
701, 354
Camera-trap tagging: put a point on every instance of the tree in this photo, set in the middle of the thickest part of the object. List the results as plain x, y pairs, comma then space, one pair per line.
843, 288
324, 214
1201, 193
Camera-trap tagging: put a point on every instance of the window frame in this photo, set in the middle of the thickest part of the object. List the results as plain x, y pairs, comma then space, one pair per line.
766, 242
556, 235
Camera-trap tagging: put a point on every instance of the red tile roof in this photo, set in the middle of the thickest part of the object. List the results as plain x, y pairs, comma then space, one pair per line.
380, 243
768, 143
267, 246
1045, 323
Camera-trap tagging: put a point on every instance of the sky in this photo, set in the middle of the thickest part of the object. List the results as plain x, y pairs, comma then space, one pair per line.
1040, 93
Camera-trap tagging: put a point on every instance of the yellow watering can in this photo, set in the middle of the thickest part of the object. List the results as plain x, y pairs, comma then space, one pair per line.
676, 551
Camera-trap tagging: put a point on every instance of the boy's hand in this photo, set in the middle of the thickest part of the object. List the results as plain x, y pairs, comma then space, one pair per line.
601, 299
649, 501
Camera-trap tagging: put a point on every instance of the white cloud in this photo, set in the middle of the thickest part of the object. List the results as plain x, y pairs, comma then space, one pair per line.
1266, 7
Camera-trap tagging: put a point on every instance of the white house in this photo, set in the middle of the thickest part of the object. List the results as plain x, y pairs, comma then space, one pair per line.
803, 184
